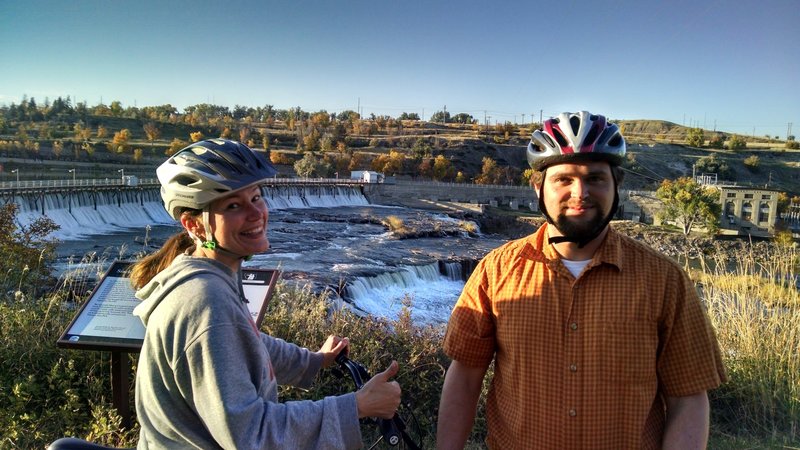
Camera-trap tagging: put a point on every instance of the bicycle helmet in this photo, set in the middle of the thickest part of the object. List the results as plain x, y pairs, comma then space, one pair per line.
207, 170
575, 137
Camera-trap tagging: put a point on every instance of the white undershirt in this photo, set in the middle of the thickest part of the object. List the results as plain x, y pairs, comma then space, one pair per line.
575, 267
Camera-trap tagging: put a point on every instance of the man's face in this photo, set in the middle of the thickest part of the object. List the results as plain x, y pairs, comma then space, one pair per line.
578, 196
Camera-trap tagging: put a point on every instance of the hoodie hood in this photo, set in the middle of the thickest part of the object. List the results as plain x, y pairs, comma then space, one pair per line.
181, 269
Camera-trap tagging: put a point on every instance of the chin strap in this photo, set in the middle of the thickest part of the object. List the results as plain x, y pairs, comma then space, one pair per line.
211, 244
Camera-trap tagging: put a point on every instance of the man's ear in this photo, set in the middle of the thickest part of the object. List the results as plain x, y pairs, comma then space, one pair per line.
192, 225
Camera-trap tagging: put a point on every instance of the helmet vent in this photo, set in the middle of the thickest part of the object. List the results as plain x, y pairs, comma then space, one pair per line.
549, 140
590, 138
615, 140
560, 138
184, 180
575, 123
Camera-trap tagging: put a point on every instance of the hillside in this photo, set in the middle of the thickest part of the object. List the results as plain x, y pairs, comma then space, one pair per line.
656, 148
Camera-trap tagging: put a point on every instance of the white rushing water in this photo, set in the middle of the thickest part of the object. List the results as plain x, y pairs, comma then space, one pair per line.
320, 235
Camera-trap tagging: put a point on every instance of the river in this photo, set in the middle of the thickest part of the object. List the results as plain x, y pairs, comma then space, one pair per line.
343, 249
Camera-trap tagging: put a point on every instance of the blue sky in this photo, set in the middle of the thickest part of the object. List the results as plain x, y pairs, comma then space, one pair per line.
730, 64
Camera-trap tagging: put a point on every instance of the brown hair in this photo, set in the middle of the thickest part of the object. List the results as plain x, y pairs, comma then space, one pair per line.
149, 266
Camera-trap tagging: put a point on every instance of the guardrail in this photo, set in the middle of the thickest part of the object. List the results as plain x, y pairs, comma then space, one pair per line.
82, 183
147, 182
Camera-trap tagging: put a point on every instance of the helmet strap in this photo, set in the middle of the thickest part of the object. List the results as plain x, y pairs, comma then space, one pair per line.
210, 242
583, 240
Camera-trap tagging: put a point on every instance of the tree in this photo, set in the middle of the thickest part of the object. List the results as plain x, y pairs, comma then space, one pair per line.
441, 116
751, 162
463, 118
490, 173
690, 204
196, 136
716, 141
152, 131
174, 146
712, 164
694, 137
442, 168
311, 167
736, 142
120, 140
409, 116
31, 247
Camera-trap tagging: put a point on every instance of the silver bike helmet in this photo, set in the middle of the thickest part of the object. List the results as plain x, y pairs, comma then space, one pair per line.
207, 170
574, 137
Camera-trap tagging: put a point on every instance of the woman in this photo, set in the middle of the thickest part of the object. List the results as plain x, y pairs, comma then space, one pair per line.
207, 378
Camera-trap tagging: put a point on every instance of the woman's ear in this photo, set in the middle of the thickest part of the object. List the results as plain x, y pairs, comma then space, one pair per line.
192, 224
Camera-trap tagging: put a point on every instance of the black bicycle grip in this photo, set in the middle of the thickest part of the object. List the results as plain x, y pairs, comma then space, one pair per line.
389, 430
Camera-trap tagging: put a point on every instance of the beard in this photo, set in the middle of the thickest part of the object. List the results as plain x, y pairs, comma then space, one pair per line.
575, 229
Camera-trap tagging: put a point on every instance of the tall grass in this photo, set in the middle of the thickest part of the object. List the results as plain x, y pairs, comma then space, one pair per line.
754, 305
47, 392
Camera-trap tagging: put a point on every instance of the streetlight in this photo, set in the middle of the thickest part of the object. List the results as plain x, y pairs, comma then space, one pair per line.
72, 171
16, 171
122, 171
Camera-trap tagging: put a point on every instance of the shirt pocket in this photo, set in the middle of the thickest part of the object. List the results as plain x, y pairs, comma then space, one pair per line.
630, 351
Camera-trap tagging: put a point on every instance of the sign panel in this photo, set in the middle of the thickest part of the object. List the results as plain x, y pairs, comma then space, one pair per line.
106, 320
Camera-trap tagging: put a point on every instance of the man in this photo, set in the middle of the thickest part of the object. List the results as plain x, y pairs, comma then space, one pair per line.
598, 341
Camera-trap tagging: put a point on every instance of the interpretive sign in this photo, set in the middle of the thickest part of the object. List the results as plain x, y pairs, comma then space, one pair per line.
106, 320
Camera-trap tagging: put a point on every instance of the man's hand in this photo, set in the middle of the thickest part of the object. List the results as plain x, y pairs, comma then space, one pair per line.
331, 348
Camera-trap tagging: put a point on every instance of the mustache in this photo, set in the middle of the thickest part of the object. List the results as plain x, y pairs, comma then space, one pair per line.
578, 204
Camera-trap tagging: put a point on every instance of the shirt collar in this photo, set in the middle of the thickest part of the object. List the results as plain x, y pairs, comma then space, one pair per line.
536, 248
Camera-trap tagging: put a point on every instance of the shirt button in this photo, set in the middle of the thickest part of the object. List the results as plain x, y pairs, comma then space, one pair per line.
573, 368
573, 413
573, 326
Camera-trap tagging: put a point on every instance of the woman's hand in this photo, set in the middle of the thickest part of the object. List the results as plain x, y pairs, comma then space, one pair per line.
331, 348
379, 397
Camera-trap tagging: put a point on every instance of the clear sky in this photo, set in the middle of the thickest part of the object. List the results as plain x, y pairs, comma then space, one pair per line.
733, 64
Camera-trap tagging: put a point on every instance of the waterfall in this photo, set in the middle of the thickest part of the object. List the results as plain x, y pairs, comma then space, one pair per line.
86, 213
435, 290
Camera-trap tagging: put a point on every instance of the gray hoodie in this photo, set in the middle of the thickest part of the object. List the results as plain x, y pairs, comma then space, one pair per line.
207, 378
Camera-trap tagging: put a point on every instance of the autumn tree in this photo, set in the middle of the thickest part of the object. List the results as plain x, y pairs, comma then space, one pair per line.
196, 136
174, 146
244, 133
121, 140
137, 155
442, 168
58, 148
490, 173
389, 164
152, 132
102, 132
689, 204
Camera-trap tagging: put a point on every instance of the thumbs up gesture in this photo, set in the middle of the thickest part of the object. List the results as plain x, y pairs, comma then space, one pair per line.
379, 397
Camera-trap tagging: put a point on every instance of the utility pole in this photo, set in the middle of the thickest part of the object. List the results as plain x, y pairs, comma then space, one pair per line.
788, 130
523, 118
444, 116
540, 116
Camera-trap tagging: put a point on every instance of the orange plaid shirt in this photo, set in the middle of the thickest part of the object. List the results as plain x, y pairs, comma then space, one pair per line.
582, 363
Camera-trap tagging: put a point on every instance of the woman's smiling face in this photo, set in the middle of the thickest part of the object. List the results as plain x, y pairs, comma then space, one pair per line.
239, 222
